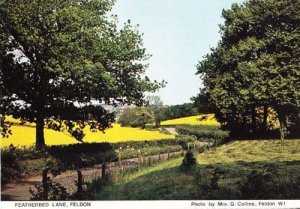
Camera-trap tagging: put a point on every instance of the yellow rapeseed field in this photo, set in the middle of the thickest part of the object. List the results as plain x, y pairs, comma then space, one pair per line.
204, 119
24, 135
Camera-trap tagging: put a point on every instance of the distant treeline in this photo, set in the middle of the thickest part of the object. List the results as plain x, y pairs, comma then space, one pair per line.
140, 116
181, 110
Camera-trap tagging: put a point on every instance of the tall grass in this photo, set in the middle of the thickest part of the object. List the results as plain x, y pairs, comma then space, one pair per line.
231, 171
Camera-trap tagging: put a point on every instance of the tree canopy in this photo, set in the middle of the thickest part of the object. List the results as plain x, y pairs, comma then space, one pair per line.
58, 58
255, 65
136, 116
156, 107
179, 111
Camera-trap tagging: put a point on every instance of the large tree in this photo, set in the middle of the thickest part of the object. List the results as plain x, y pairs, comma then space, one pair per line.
256, 64
58, 57
156, 107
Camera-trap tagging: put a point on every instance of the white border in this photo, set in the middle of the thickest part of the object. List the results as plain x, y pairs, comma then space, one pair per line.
216, 204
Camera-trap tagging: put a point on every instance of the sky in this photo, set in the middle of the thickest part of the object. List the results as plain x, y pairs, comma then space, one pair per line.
177, 33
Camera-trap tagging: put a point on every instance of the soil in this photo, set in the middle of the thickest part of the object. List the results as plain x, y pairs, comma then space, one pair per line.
19, 190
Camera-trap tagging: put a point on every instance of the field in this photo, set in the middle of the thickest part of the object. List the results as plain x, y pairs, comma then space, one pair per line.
207, 119
239, 170
24, 135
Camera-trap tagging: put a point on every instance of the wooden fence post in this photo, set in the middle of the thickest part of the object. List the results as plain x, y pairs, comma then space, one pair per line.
103, 170
168, 155
139, 158
120, 162
45, 183
79, 181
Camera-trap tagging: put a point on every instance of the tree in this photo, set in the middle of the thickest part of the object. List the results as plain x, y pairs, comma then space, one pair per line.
156, 106
179, 111
203, 103
142, 117
135, 116
57, 57
126, 116
256, 64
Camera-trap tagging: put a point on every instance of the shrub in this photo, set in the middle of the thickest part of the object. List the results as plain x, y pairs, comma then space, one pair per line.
81, 155
206, 133
209, 188
18, 161
54, 191
268, 184
188, 162
10, 165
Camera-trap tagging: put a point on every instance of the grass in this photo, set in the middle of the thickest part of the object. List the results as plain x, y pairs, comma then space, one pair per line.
204, 119
24, 135
252, 151
236, 161
23, 161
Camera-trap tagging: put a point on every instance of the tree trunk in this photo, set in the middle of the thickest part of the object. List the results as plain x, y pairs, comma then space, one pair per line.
264, 125
40, 140
45, 183
283, 125
103, 170
253, 118
79, 181
157, 123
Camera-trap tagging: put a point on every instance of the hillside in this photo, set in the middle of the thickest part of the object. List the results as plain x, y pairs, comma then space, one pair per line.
203, 119
24, 135
238, 170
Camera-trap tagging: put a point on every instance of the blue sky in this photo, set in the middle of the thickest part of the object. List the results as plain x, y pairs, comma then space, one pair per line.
177, 33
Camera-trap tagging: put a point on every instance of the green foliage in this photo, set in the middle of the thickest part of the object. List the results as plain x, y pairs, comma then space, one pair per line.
206, 133
255, 65
179, 111
188, 162
219, 175
267, 184
156, 107
143, 116
135, 116
5, 127
99, 184
203, 102
10, 166
126, 116
18, 162
55, 191
57, 57
208, 188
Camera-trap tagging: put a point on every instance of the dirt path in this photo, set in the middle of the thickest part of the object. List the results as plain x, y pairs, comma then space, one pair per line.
171, 130
19, 190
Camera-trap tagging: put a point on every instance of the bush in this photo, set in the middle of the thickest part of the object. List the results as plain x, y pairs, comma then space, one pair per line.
206, 133
18, 161
267, 184
10, 165
81, 155
188, 162
55, 191
209, 188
